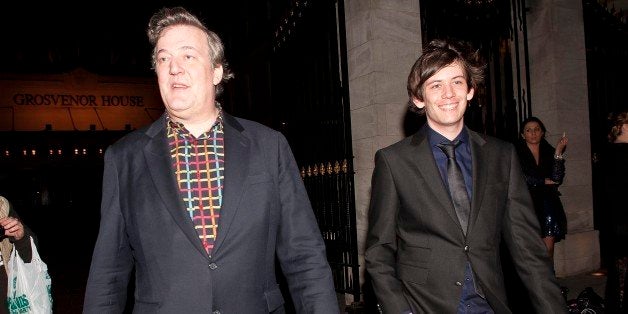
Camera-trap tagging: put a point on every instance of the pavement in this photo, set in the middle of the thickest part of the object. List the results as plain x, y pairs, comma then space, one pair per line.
575, 284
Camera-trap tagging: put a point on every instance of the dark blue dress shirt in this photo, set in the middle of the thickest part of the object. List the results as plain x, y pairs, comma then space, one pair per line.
471, 301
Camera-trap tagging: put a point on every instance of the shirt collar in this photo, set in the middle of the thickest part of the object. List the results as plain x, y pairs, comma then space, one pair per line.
436, 138
179, 128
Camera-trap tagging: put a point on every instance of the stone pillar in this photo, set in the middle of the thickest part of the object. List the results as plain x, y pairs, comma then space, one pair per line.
560, 99
383, 41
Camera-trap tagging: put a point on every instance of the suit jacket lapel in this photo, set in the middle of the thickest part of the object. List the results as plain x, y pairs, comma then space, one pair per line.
423, 158
237, 154
480, 175
160, 168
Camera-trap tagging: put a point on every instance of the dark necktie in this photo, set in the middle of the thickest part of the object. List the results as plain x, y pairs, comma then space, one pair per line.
457, 187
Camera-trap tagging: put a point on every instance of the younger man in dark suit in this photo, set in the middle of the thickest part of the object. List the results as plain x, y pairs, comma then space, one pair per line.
443, 199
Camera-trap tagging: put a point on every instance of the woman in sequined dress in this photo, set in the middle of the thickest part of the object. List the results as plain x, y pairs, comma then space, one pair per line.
544, 170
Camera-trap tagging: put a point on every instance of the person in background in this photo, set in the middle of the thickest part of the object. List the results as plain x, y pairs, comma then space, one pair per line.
201, 204
615, 165
444, 198
13, 235
544, 169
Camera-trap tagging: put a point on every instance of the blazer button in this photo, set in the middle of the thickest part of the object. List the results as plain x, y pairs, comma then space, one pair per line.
466, 248
213, 266
458, 283
216, 312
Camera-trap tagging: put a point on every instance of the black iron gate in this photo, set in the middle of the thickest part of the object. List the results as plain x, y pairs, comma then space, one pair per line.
606, 37
330, 186
308, 76
498, 29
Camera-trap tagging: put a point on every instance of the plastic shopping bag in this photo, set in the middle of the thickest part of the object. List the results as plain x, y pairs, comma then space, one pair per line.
29, 285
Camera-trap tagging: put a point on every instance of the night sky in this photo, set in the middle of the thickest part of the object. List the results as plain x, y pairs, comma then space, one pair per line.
108, 37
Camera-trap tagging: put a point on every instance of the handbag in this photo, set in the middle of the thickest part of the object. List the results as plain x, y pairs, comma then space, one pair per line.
29, 286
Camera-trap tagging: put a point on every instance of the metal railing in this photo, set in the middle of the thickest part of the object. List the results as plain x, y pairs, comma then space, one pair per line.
330, 188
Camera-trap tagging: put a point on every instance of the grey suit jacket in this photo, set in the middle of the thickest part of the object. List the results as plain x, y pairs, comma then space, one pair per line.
265, 216
415, 248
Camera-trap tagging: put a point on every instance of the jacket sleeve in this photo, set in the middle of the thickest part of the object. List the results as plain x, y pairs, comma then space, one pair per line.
23, 245
112, 260
300, 246
381, 244
558, 170
529, 255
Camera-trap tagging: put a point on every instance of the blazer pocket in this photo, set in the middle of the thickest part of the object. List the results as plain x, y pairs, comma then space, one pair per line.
274, 299
258, 178
413, 255
412, 274
412, 263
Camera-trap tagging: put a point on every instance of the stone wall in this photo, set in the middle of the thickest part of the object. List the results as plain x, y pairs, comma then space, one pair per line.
559, 91
383, 41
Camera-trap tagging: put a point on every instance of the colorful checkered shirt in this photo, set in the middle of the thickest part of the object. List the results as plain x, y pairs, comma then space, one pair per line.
199, 168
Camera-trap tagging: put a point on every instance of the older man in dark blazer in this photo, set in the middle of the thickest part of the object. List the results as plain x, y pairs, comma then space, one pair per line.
443, 199
201, 204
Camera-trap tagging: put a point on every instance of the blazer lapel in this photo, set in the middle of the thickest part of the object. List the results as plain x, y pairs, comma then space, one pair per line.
423, 158
237, 154
160, 168
480, 175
